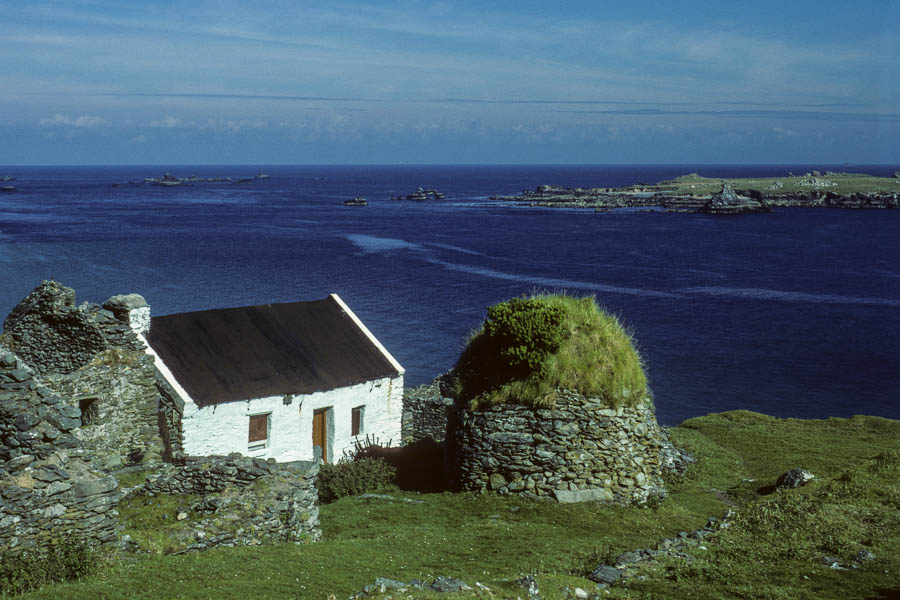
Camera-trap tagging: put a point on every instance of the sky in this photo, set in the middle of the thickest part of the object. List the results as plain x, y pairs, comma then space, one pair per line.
408, 82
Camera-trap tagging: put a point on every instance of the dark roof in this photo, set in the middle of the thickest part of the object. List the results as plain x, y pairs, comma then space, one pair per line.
269, 350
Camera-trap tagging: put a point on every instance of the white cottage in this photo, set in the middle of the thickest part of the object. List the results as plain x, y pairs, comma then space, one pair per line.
290, 381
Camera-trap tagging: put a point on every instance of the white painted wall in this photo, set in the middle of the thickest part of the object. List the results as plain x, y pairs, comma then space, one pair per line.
224, 428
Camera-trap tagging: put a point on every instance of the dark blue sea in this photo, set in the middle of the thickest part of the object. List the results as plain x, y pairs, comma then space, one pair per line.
794, 313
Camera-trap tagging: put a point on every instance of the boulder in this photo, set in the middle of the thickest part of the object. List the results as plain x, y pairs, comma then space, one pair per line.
606, 574
445, 584
794, 478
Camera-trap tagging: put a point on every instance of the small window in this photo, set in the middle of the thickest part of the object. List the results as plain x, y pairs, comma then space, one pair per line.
259, 432
89, 411
356, 426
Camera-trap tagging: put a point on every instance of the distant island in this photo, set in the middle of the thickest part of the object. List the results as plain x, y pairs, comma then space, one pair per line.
693, 193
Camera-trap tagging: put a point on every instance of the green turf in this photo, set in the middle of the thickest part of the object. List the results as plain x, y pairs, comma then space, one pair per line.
772, 550
592, 355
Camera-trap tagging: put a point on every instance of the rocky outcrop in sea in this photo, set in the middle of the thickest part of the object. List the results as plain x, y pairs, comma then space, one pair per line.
729, 201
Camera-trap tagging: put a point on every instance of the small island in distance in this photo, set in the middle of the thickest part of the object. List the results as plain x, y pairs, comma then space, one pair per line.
724, 196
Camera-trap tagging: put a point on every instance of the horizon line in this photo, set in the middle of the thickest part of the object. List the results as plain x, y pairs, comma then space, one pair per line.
454, 164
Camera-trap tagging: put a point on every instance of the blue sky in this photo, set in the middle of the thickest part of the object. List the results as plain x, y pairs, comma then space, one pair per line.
98, 82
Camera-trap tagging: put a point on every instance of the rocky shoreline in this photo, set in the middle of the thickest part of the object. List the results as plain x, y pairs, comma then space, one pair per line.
731, 198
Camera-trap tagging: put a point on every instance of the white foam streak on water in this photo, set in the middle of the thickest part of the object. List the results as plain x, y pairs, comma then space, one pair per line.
455, 248
371, 243
549, 282
767, 294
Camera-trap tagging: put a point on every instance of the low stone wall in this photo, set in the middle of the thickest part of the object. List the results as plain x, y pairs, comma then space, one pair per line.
426, 410
49, 488
578, 451
243, 501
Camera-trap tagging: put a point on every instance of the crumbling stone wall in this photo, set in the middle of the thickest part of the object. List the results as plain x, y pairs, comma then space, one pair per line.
50, 333
426, 410
119, 389
171, 410
244, 501
92, 356
49, 486
578, 451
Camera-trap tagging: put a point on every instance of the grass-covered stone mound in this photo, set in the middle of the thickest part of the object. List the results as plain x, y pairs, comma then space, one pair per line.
529, 348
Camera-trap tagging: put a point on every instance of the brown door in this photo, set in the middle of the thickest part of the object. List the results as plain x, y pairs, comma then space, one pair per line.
320, 427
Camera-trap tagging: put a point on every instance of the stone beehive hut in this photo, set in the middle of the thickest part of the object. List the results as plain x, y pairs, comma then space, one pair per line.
578, 450
572, 419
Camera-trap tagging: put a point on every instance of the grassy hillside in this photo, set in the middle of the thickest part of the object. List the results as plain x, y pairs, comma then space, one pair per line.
773, 549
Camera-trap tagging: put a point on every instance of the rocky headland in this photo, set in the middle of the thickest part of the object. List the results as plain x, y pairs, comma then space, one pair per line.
695, 194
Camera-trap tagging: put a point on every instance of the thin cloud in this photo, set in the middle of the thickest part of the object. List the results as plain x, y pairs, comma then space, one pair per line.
215, 125
461, 100
780, 114
82, 122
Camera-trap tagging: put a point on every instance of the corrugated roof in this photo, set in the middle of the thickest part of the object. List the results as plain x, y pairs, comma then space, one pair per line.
273, 349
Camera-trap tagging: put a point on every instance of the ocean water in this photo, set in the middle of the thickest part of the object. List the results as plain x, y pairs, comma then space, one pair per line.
794, 313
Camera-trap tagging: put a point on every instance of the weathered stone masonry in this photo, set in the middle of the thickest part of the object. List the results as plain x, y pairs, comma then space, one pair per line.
245, 501
426, 411
94, 359
50, 488
580, 450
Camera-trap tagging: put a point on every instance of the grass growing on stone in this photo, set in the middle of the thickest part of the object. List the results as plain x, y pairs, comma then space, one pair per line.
129, 479
591, 354
152, 523
773, 548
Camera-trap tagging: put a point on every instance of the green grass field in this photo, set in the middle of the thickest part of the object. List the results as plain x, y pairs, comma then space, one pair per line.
773, 549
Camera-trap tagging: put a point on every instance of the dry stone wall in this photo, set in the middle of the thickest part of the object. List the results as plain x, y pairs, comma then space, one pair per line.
578, 451
93, 358
426, 411
49, 487
243, 501
50, 333
119, 390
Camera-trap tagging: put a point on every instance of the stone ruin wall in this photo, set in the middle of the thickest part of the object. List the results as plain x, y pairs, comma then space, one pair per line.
244, 501
426, 412
50, 486
92, 357
578, 451
123, 423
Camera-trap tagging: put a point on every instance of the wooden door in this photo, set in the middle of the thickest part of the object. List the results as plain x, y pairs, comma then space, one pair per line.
319, 433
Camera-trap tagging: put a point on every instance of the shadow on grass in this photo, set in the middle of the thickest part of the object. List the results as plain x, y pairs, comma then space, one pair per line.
421, 466
886, 594
766, 490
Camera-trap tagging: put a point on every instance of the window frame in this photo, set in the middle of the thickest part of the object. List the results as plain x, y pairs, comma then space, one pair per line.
260, 444
358, 420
